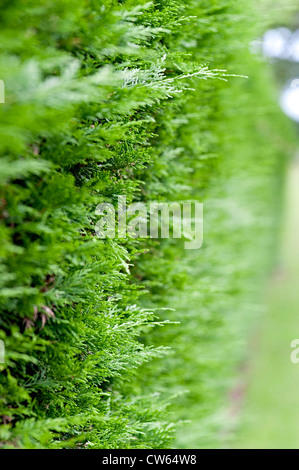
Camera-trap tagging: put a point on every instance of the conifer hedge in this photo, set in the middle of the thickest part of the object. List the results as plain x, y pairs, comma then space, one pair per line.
117, 98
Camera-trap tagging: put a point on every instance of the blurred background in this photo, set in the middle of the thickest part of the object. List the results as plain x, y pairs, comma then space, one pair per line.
268, 390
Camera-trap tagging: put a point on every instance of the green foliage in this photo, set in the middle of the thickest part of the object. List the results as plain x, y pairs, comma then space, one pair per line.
104, 99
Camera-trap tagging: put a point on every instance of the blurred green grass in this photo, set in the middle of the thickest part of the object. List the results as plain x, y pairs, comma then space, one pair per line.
270, 418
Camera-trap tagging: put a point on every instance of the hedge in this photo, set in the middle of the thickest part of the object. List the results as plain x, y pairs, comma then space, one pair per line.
127, 98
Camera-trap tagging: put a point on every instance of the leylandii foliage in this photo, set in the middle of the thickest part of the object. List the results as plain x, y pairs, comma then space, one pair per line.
102, 99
